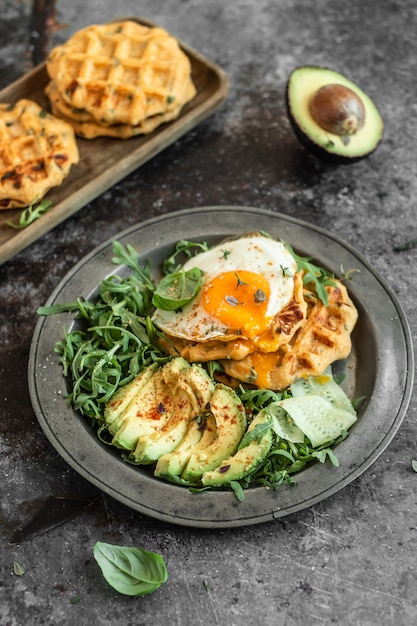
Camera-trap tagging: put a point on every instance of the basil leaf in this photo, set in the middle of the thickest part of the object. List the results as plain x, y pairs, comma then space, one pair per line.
177, 289
131, 571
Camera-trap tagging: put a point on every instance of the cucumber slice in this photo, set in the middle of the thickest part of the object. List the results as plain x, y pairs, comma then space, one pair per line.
283, 424
318, 418
324, 386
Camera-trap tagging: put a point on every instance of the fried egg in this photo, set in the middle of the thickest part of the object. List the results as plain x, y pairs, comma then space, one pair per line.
246, 283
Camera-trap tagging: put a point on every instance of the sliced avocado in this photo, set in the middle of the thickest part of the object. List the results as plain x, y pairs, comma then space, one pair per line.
230, 419
201, 384
183, 406
246, 459
150, 407
200, 434
123, 397
332, 116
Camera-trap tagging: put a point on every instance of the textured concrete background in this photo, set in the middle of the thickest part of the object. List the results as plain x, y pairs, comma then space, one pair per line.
349, 560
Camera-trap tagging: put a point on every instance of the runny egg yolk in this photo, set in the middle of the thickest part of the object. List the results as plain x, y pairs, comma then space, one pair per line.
239, 299
263, 364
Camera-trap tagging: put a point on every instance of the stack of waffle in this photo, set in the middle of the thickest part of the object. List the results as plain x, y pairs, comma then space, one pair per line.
118, 80
37, 151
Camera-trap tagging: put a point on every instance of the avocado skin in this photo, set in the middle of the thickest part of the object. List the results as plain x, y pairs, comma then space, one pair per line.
311, 146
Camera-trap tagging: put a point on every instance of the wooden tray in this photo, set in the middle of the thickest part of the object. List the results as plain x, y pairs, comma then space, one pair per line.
104, 161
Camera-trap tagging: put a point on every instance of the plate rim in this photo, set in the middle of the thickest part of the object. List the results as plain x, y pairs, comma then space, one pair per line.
272, 513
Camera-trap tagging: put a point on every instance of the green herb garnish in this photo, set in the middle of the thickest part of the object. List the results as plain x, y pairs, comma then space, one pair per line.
314, 274
177, 289
115, 338
130, 571
183, 247
239, 281
31, 214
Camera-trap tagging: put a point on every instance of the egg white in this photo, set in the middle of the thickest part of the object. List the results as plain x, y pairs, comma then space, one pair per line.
257, 254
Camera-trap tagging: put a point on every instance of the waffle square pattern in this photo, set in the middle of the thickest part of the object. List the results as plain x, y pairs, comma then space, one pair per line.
119, 79
37, 151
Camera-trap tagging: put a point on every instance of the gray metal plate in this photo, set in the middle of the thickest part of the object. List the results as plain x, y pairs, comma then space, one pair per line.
380, 367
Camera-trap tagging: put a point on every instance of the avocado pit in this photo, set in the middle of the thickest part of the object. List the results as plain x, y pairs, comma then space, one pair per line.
331, 115
337, 109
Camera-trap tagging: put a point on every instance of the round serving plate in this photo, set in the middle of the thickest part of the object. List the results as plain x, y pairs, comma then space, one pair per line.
380, 368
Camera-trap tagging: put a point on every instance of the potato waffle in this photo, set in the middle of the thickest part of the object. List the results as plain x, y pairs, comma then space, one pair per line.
37, 151
316, 339
86, 127
324, 338
122, 73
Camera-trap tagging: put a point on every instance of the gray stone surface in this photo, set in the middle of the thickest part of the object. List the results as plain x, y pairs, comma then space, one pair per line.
351, 559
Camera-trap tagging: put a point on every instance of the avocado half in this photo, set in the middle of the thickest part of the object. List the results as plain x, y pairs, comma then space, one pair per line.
312, 87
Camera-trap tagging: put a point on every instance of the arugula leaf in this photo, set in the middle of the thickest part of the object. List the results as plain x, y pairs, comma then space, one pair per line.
212, 367
115, 338
183, 247
129, 257
257, 399
31, 214
237, 490
255, 434
130, 571
177, 289
313, 274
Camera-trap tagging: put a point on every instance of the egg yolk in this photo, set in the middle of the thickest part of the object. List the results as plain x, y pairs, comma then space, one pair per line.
239, 299
263, 364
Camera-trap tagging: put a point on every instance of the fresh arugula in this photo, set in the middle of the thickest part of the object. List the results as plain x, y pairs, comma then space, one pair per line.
129, 257
115, 338
183, 248
130, 571
31, 214
255, 434
320, 277
257, 399
286, 459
